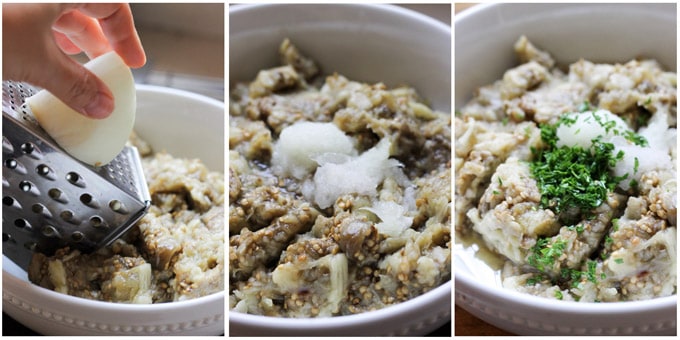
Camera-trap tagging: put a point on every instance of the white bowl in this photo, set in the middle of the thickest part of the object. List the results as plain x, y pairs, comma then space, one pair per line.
610, 33
371, 43
192, 126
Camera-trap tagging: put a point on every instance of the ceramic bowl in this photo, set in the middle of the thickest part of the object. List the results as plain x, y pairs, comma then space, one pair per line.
371, 43
51, 313
484, 40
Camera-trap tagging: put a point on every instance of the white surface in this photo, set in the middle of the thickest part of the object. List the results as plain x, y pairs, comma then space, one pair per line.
192, 126
371, 43
363, 42
485, 35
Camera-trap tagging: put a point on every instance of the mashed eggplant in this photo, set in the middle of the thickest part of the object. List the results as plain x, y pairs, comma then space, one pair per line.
174, 253
339, 193
571, 178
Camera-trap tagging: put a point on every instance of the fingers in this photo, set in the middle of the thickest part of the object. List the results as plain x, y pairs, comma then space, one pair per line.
116, 25
65, 43
83, 32
80, 89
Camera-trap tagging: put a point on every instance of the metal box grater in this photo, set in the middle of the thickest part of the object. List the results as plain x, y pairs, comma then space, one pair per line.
51, 200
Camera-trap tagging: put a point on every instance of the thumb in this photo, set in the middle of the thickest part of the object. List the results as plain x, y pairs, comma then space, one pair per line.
78, 88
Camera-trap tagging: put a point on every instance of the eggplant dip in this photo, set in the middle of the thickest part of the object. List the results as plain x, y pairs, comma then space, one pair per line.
174, 253
339, 193
570, 177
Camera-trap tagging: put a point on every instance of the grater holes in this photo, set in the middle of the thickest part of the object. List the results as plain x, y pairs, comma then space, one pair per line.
75, 179
97, 222
89, 201
22, 223
41, 210
118, 206
7, 147
69, 216
31, 246
8, 238
9, 201
29, 187
77, 236
45, 171
29, 149
57, 195
50, 231
13, 164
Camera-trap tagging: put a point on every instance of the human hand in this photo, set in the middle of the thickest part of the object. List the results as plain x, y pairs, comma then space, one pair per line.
37, 39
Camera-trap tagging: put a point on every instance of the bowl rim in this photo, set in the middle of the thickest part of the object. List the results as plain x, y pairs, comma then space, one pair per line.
39, 292
486, 6
51, 295
148, 88
466, 284
416, 303
392, 8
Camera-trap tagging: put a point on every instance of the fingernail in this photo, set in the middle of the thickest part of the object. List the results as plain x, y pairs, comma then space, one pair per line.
100, 107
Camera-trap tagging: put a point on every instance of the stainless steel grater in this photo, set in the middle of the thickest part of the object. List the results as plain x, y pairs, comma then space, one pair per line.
51, 200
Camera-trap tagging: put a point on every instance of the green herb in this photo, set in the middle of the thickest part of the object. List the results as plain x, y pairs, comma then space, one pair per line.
496, 192
504, 121
635, 138
608, 240
592, 267
544, 254
636, 165
558, 295
619, 261
642, 119
572, 275
578, 228
500, 181
574, 177
615, 224
536, 278
585, 106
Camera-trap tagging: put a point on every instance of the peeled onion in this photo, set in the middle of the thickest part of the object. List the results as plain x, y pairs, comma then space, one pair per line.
92, 141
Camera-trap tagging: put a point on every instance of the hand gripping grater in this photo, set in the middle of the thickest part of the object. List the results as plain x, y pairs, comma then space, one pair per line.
51, 200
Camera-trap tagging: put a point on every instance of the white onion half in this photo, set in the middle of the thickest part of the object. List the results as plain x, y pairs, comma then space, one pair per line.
92, 141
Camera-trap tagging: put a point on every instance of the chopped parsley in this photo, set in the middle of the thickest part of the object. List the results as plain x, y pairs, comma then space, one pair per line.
590, 274
619, 261
574, 177
635, 138
544, 254
558, 295
579, 228
536, 278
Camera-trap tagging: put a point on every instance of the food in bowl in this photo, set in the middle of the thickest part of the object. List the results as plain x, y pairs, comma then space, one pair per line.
569, 177
339, 193
174, 253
